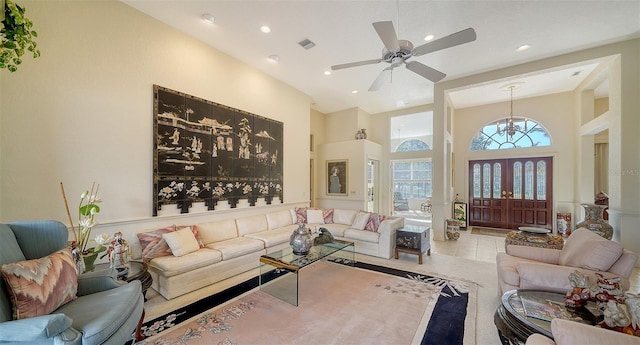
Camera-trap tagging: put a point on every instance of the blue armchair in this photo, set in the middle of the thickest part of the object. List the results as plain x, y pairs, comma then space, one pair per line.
105, 311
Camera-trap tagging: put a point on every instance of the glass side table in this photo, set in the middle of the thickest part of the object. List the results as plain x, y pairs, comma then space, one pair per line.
138, 270
279, 271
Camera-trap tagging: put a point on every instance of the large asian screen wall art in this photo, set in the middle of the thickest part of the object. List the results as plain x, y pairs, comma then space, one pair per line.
208, 152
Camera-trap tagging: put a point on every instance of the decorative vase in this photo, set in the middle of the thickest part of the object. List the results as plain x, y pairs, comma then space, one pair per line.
359, 135
89, 261
301, 240
593, 221
364, 133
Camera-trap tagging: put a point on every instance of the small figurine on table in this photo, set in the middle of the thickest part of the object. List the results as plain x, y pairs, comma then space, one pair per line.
118, 252
580, 292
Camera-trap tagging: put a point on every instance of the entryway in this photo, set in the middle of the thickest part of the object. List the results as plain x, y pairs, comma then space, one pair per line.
509, 193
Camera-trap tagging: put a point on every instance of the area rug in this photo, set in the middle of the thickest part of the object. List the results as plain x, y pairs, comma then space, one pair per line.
480, 230
338, 304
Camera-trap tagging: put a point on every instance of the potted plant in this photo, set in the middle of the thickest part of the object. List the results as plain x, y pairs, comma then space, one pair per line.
17, 37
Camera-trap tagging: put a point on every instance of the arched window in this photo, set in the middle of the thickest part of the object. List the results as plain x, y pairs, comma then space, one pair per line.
412, 145
531, 134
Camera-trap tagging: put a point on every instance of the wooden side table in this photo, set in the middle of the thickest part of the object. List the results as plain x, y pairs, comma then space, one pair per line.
413, 239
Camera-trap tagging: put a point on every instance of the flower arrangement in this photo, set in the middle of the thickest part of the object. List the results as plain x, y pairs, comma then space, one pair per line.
87, 209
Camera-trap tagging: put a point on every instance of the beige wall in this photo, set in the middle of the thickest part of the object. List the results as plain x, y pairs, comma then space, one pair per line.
82, 112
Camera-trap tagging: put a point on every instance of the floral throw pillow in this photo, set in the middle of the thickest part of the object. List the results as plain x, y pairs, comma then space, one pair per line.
301, 214
154, 246
374, 222
328, 216
39, 286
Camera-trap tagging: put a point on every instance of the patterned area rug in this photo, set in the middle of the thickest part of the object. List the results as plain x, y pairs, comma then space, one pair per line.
338, 304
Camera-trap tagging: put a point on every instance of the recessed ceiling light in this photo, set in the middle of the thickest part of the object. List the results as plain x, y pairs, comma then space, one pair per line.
327, 72
208, 18
401, 103
354, 91
274, 58
265, 29
429, 37
523, 47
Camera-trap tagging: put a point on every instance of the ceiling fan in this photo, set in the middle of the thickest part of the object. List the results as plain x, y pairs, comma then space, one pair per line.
396, 52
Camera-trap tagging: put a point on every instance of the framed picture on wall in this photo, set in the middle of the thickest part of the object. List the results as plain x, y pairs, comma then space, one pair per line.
337, 177
460, 213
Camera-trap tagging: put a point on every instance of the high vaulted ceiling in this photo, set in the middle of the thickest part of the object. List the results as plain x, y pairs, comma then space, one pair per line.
342, 32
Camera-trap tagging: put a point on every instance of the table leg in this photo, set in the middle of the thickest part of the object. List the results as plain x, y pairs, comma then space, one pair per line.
420, 259
396, 255
139, 336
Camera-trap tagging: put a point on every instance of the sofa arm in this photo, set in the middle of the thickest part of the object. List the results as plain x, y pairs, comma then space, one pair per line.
92, 282
387, 231
40, 329
567, 332
547, 255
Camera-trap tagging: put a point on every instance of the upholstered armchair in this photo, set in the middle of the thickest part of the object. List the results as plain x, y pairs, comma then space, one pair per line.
567, 332
523, 267
44, 301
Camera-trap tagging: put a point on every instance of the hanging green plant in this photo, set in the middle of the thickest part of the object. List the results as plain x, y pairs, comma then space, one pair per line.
17, 37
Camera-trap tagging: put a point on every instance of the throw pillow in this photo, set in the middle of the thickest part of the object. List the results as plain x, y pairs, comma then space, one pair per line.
361, 220
315, 217
153, 245
301, 214
40, 286
374, 222
586, 249
181, 242
328, 216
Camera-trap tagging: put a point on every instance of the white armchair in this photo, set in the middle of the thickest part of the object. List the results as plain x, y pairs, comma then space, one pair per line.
523, 267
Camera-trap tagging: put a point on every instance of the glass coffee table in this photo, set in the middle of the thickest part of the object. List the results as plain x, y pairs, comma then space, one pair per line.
279, 271
515, 322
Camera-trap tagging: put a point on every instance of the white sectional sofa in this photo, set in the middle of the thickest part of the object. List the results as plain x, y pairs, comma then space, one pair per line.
230, 247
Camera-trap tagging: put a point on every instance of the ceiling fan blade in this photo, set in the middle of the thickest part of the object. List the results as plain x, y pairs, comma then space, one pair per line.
382, 78
425, 71
387, 34
354, 64
460, 37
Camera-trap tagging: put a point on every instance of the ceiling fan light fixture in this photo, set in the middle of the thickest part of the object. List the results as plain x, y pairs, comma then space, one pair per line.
429, 37
208, 18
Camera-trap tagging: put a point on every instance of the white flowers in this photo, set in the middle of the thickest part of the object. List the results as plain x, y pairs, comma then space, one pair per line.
103, 239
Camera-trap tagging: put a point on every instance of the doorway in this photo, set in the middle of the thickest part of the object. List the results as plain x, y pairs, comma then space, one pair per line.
509, 193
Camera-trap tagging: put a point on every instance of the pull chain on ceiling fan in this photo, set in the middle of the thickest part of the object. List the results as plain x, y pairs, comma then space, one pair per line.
396, 52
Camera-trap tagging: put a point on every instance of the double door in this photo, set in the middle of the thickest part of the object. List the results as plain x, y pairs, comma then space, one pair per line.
509, 193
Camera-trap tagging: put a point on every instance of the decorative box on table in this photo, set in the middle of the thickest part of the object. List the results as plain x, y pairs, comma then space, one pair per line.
413, 239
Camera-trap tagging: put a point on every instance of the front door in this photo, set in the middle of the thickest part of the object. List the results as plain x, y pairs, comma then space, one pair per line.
509, 193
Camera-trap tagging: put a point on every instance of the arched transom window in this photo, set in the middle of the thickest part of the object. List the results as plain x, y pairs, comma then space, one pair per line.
530, 134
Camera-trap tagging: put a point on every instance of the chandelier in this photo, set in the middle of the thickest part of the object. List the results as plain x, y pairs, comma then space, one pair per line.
510, 127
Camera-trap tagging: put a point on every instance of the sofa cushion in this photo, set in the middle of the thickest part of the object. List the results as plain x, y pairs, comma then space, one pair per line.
335, 229
251, 224
345, 217
362, 235
40, 286
238, 246
174, 265
588, 250
217, 231
361, 220
272, 238
279, 219
181, 241
315, 216
374, 222
97, 323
